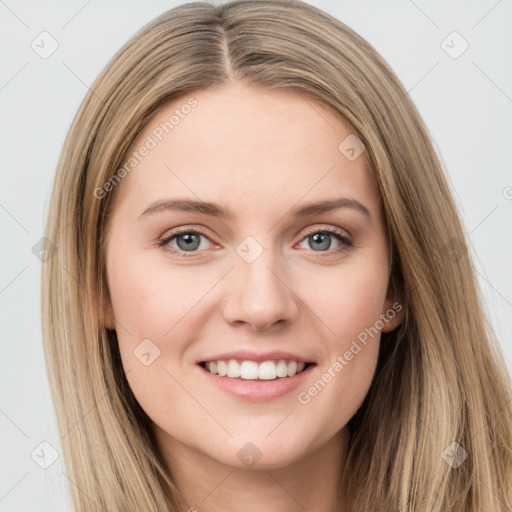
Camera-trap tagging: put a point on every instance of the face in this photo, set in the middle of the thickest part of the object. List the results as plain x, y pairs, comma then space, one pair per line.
270, 279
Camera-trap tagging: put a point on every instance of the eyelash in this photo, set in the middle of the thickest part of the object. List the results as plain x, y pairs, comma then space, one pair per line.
345, 241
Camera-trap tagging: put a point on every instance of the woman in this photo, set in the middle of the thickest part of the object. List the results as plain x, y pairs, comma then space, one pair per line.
262, 295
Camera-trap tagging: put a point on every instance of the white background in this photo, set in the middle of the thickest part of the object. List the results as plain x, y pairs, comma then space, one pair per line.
465, 102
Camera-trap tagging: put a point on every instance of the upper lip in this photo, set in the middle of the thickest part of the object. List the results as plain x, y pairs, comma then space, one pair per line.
247, 355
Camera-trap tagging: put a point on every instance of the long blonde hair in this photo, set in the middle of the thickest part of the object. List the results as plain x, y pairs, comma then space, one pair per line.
440, 379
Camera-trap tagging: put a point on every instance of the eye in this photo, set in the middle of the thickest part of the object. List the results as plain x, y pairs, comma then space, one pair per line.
186, 241
321, 240
190, 241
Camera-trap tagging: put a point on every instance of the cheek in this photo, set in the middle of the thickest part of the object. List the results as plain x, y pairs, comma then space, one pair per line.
148, 299
150, 305
348, 299
349, 302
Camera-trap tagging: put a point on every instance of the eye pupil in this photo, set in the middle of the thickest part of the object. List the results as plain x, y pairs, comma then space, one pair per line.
321, 238
189, 240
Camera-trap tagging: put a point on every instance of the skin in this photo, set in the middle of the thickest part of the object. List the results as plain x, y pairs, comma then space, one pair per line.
260, 153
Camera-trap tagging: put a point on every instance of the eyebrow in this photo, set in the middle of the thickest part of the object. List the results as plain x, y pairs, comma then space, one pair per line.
216, 210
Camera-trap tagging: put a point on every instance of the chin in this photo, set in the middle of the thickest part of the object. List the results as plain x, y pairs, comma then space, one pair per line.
260, 454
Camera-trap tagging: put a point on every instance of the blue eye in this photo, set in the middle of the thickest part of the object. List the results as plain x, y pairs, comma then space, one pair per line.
189, 241
322, 240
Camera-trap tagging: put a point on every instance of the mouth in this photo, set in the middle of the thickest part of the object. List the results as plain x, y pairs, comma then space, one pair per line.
270, 370
251, 381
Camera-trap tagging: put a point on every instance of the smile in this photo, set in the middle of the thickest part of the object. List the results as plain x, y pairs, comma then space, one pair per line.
252, 370
256, 382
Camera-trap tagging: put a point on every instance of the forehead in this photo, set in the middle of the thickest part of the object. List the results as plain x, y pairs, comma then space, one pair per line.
246, 146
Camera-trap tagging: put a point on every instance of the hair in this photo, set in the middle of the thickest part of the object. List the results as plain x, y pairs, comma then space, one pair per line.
440, 378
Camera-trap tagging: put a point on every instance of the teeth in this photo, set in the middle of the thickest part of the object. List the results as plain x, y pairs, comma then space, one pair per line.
222, 368
233, 369
267, 370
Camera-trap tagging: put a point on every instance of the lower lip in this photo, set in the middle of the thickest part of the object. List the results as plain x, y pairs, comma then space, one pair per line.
258, 390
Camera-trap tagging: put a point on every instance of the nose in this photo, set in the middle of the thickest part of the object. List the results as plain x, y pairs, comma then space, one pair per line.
258, 294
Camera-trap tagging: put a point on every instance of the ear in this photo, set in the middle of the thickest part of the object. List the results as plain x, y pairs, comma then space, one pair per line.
394, 306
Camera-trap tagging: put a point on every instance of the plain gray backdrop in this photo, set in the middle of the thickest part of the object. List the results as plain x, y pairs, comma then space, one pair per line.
453, 57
